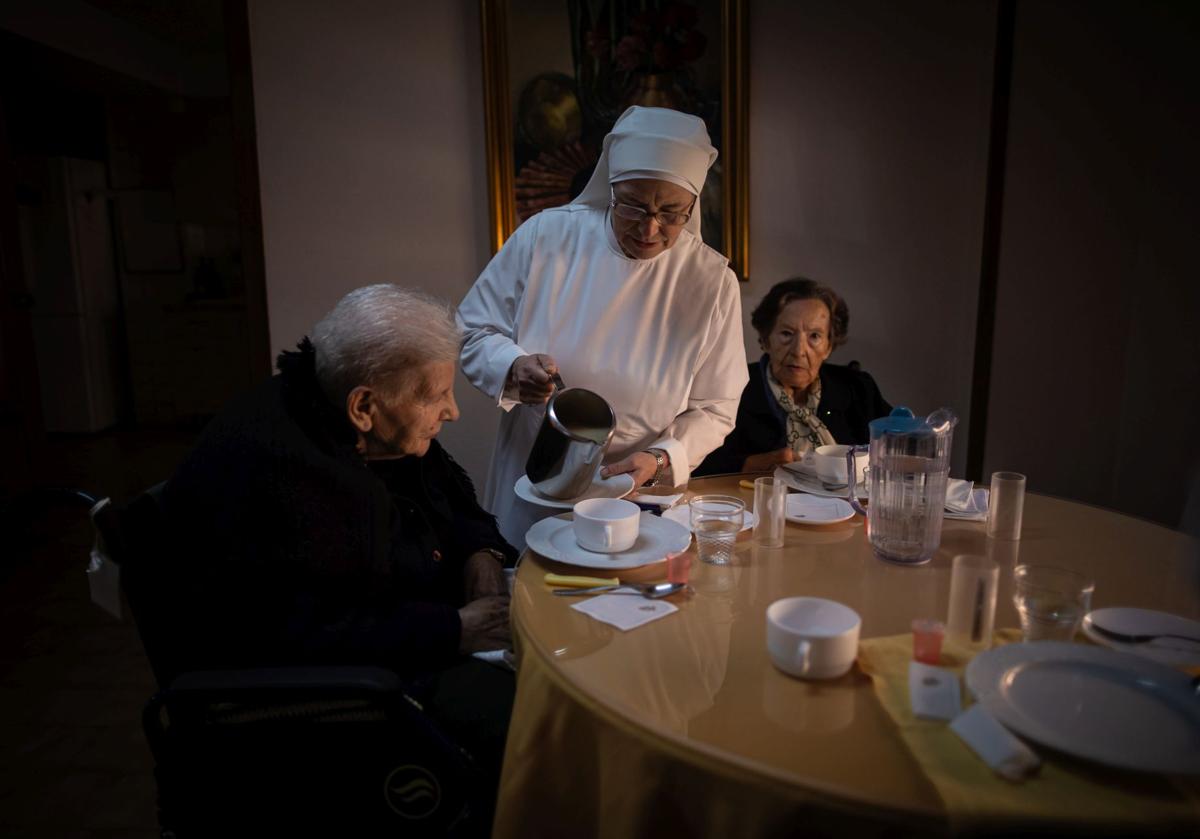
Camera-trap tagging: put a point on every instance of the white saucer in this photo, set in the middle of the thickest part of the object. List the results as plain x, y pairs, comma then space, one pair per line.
1174, 652
804, 481
682, 515
618, 486
811, 509
1094, 703
554, 538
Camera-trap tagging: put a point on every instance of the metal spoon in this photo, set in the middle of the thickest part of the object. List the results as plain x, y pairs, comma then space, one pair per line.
651, 590
1139, 639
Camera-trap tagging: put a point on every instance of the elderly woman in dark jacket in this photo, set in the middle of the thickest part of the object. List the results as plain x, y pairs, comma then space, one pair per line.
795, 401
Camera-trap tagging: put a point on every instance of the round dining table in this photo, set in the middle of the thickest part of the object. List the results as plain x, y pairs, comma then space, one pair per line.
683, 726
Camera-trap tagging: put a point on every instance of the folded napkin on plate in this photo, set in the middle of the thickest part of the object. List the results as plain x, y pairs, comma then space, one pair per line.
625, 612
964, 501
654, 499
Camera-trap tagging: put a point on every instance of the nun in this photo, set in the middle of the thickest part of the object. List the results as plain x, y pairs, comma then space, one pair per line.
617, 293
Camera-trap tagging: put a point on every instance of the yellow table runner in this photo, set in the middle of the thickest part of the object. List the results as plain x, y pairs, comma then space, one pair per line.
1065, 789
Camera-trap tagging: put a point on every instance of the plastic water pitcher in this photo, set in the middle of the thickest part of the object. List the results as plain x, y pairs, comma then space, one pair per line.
909, 466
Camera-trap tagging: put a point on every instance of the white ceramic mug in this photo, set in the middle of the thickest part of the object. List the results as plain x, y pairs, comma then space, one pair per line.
811, 637
830, 464
606, 525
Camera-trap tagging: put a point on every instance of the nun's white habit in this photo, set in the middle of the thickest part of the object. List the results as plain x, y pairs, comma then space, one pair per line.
659, 338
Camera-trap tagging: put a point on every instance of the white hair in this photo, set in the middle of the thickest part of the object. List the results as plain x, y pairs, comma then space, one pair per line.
380, 335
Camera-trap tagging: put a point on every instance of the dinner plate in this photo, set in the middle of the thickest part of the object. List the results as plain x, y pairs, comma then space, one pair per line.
804, 481
618, 486
683, 515
554, 538
1174, 652
812, 509
1091, 702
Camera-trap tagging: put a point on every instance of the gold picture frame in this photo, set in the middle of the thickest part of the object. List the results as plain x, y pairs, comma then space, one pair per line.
500, 30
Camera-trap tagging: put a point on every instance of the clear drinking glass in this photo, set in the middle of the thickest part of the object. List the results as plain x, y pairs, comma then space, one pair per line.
972, 610
716, 521
1006, 501
1051, 601
770, 498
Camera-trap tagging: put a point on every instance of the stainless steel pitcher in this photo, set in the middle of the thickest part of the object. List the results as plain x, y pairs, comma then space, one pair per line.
571, 443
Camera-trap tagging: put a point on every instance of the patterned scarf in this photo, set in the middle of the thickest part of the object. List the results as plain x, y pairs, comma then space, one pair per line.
804, 428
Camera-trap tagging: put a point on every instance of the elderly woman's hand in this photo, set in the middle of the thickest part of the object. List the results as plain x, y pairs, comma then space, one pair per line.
767, 461
531, 376
640, 465
483, 576
484, 625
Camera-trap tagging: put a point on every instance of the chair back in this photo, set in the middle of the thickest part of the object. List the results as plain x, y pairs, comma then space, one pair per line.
322, 750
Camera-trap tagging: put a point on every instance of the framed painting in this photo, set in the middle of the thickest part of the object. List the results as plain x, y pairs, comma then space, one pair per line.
558, 73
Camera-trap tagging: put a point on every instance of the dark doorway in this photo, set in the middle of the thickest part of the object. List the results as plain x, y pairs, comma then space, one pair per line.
131, 282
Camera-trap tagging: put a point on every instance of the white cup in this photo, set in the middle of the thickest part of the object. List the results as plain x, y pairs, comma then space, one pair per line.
830, 463
811, 637
606, 525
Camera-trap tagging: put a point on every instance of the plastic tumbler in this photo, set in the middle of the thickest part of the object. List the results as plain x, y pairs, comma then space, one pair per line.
927, 640
679, 567
770, 499
972, 611
1006, 505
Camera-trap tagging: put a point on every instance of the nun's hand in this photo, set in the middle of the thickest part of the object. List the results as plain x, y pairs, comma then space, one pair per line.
640, 465
530, 375
767, 461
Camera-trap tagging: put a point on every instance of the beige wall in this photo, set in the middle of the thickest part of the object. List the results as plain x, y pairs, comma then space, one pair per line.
868, 154
869, 125
370, 136
370, 148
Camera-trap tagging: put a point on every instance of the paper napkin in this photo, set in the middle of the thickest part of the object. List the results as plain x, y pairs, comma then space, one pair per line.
933, 692
964, 501
654, 499
1009, 757
625, 611
500, 658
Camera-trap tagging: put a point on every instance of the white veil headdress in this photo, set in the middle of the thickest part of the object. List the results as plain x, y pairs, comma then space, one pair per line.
653, 143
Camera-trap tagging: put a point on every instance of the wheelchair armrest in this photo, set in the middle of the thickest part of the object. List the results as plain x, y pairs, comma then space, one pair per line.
193, 691
341, 680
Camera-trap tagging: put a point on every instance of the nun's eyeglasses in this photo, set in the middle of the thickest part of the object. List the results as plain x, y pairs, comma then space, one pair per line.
631, 213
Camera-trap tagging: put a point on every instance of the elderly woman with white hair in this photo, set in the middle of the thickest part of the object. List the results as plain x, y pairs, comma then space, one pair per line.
331, 523
318, 521
617, 292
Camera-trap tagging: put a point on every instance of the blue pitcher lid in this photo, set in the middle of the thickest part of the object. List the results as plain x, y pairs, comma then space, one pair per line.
902, 421
899, 421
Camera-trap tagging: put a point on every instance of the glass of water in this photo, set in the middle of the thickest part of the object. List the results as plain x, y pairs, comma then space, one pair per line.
1051, 601
716, 521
